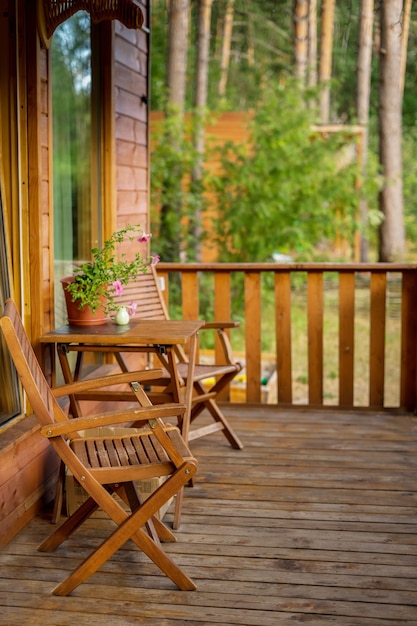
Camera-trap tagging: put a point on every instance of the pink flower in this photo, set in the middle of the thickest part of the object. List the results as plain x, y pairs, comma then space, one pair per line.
132, 308
118, 287
155, 260
144, 237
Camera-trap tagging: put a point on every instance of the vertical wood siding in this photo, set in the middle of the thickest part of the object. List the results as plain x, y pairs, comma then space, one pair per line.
131, 116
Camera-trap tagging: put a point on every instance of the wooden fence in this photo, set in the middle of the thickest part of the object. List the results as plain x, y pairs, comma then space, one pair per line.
376, 320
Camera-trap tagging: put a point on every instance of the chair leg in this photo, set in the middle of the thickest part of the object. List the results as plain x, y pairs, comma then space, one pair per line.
130, 527
59, 491
228, 431
178, 509
164, 533
130, 496
69, 526
156, 528
109, 547
218, 416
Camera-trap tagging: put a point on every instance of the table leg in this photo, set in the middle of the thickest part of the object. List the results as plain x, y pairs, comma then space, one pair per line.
186, 420
68, 377
192, 355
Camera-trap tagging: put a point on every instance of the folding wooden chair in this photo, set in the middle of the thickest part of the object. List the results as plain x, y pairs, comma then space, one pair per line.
146, 293
108, 465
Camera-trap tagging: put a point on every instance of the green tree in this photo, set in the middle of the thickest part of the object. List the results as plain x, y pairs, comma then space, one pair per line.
288, 191
262, 55
167, 190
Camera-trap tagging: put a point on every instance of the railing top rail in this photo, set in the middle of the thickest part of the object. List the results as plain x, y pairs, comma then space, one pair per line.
292, 267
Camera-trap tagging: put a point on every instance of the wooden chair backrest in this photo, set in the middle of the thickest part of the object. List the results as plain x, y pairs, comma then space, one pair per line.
145, 291
41, 398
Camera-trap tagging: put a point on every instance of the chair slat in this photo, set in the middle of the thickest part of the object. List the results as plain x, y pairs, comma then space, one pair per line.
112, 452
121, 451
140, 451
131, 452
150, 450
159, 450
104, 459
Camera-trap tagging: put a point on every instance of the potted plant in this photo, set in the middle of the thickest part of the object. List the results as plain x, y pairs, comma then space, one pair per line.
91, 293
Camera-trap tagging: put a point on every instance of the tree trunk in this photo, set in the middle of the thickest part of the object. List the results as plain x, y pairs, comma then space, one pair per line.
171, 210
326, 50
177, 51
362, 104
392, 236
364, 60
312, 43
301, 39
226, 45
404, 42
204, 18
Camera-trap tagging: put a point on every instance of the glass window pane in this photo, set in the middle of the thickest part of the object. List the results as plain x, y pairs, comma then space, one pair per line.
9, 396
71, 54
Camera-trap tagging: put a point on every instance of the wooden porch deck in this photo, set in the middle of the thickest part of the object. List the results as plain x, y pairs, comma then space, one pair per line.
314, 522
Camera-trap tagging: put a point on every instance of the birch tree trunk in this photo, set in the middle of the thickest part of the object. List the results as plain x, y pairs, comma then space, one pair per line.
362, 104
326, 55
204, 19
177, 51
404, 42
392, 235
301, 39
226, 45
312, 43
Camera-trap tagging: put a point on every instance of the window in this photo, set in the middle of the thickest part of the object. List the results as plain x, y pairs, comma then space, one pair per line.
9, 396
76, 148
10, 400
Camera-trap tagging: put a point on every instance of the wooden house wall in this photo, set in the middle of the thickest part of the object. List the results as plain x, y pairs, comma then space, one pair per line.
131, 132
28, 465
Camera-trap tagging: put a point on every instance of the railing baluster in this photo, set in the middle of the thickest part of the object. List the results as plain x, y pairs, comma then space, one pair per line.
253, 338
315, 337
346, 338
190, 296
377, 339
283, 336
408, 392
222, 313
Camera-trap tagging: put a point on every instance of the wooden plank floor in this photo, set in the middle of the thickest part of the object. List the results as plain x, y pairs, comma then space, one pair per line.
313, 522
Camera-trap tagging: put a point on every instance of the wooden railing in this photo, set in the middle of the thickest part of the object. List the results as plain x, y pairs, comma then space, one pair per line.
382, 329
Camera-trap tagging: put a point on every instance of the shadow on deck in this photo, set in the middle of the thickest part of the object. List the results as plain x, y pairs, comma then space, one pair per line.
313, 522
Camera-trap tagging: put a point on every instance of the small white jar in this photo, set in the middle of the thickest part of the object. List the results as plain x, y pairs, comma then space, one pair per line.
122, 316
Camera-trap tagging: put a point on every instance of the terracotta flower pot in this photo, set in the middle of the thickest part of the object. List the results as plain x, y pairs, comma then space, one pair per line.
84, 316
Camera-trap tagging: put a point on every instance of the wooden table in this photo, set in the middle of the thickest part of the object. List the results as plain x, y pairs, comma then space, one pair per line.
157, 336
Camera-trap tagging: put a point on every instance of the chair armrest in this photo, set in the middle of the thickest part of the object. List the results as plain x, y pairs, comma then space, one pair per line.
219, 325
108, 419
221, 328
106, 381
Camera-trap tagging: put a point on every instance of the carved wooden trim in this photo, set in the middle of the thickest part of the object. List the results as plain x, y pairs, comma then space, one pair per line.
51, 13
